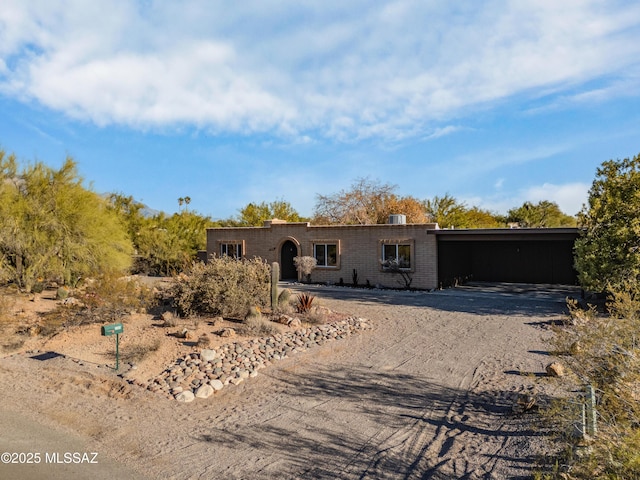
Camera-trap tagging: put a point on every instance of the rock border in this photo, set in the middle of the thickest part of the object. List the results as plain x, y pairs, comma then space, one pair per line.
201, 374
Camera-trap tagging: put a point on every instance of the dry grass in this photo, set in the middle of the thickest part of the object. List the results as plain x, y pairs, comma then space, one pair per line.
602, 351
258, 326
135, 353
315, 317
203, 341
10, 325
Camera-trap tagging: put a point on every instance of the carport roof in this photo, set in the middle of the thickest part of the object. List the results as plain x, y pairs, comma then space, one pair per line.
514, 234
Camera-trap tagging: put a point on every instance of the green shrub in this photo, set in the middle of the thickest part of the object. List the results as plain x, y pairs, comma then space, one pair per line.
224, 286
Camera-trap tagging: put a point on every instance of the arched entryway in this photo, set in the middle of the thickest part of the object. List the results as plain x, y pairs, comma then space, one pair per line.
288, 251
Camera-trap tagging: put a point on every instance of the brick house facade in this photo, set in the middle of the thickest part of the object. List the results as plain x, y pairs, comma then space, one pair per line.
340, 250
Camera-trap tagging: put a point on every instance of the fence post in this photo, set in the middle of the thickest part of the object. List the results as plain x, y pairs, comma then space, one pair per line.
591, 421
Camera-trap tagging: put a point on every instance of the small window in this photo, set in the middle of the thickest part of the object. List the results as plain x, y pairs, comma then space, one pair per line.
396, 254
326, 254
233, 250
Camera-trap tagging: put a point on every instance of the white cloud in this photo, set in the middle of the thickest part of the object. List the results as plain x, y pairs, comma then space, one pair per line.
443, 131
343, 70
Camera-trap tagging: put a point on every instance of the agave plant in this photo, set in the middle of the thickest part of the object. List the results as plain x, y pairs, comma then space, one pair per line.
304, 302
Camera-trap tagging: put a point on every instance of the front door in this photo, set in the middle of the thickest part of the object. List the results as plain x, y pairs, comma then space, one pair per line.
287, 267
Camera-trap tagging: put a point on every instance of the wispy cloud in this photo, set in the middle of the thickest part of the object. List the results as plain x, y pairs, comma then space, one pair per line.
443, 131
343, 71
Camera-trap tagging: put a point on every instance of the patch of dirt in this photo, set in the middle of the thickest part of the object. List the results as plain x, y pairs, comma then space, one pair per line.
146, 346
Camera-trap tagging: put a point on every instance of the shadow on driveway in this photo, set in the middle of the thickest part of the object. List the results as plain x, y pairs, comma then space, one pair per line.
477, 298
366, 424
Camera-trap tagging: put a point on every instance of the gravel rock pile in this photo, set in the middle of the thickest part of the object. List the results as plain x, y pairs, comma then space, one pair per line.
199, 375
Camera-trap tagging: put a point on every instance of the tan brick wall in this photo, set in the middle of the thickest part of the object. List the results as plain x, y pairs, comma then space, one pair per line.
359, 248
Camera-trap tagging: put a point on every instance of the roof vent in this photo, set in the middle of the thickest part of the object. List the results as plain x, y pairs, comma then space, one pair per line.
397, 219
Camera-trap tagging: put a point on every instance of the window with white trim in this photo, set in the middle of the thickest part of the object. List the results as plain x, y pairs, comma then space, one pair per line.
396, 255
233, 250
326, 254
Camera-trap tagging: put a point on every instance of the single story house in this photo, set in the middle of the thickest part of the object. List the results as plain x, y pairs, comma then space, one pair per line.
427, 255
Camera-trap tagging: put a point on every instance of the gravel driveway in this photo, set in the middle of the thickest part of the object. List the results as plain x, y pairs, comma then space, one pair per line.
427, 393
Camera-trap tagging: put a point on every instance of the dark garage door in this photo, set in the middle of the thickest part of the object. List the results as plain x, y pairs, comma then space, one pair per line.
515, 261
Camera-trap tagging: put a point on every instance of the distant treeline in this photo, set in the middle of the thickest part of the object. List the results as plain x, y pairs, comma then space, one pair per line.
54, 228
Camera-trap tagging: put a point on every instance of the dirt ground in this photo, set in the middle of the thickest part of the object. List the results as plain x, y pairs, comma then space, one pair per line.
146, 348
427, 393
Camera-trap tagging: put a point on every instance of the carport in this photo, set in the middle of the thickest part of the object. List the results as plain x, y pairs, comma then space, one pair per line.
523, 255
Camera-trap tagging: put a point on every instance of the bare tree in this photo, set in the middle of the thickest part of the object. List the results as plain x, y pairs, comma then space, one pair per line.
366, 202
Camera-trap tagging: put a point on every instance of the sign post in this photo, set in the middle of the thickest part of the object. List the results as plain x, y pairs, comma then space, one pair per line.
114, 329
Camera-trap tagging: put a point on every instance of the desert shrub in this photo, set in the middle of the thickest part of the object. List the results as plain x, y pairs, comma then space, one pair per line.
137, 352
62, 293
55, 320
8, 324
316, 317
7, 303
394, 265
169, 319
604, 351
257, 325
579, 313
224, 286
105, 299
304, 266
110, 297
284, 309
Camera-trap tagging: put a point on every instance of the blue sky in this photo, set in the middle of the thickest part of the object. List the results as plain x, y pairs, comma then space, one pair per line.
493, 102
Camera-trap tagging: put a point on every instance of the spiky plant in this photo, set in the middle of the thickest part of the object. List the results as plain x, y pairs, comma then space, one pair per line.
305, 301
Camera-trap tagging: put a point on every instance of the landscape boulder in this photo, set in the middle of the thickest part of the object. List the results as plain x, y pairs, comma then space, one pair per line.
204, 391
208, 354
294, 323
186, 396
228, 332
216, 384
555, 369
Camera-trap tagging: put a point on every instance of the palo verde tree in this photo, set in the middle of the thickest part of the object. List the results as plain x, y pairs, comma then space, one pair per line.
607, 255
53, 228
164, 245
